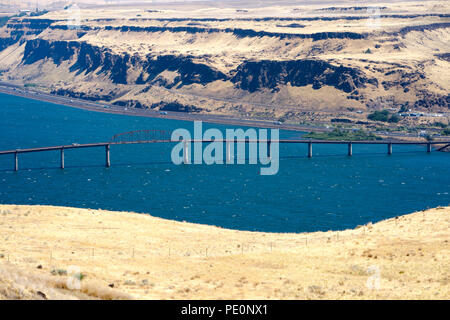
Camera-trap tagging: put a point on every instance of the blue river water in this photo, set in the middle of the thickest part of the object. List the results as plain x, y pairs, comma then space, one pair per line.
328, 192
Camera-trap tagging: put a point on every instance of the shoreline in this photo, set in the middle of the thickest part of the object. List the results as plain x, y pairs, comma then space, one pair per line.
21, 91
126, 255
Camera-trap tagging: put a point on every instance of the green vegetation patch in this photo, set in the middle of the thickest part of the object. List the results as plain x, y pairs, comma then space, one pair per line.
440, 125
384, 116
338, 134
446, 131
59, 272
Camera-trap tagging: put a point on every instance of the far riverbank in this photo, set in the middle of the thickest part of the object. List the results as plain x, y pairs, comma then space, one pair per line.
20, 91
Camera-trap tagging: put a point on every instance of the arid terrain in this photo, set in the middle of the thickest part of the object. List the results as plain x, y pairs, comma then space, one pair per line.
320, 65
288, 60
122, 255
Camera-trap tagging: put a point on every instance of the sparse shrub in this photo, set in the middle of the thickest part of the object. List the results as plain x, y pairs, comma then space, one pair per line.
79, 276
394, 118
59, 272
94, 288
383, 116
440, 125
404, 107
379, 116
316, 290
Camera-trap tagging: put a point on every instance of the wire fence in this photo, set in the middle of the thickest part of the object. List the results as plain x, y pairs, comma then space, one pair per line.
185, 247
175, 250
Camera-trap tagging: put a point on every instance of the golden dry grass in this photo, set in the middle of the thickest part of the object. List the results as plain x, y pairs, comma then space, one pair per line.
151, 258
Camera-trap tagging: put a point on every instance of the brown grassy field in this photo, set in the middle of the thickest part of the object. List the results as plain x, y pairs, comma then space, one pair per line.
124, 255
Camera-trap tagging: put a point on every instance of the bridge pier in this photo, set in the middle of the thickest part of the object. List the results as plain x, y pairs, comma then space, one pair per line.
62, 158
229, 148
108, 160
185, 152
228, 151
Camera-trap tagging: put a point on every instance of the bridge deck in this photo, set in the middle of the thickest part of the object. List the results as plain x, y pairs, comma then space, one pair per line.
186, 148
301, 141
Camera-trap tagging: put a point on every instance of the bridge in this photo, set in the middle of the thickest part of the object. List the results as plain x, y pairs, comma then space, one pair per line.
161, 136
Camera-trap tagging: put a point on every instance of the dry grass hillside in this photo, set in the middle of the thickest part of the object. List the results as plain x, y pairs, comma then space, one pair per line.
123, 255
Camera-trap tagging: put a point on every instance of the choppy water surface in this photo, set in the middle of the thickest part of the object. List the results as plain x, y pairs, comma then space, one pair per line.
329, 191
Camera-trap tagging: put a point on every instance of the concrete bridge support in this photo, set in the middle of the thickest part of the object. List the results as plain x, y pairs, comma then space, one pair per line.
108, 160
62, 158
389, 148
186, 152
228, 151
229, 147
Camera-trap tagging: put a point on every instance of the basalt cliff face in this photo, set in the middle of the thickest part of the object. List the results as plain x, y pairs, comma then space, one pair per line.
267, 74
282, 67
249, 76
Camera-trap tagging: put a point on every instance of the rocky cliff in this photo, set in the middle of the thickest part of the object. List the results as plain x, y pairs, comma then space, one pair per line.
254, 76
278, 67
250, 76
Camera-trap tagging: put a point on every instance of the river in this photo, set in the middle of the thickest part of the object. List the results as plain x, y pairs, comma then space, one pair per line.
328, 192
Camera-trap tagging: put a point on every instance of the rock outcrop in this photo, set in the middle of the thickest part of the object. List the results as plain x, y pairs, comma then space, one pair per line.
253, 76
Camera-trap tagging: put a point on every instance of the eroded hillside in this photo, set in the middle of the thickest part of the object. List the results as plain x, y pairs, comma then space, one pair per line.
288, 61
